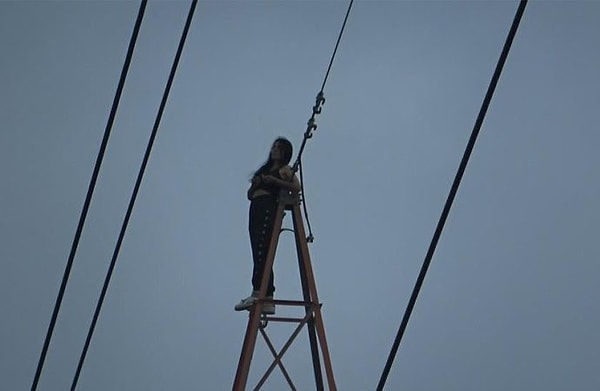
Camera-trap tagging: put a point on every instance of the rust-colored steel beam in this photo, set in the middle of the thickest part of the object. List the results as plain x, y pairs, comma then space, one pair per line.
241, 376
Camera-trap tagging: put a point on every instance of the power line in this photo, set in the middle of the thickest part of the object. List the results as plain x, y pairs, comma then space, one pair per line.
90, 192
134, 193
311, 125
337, 44
320, 100
453, 191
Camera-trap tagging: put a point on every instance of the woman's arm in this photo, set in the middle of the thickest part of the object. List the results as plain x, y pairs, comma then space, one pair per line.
289, 181
253, 185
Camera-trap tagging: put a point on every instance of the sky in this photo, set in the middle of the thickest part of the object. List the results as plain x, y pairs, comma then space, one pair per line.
511, 300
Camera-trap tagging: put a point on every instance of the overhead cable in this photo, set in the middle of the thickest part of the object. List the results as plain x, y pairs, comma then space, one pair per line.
134, 193
453, 191
90, 192
320, 99
311, 125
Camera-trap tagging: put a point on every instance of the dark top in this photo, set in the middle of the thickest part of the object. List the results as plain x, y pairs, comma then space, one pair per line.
270, 187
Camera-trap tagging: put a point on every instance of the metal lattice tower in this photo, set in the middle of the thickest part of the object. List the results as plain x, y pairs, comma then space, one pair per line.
312, 319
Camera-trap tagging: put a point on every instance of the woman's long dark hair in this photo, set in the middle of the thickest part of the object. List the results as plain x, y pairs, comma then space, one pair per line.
287, 149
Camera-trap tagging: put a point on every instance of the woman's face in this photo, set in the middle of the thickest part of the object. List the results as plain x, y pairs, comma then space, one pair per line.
276, 152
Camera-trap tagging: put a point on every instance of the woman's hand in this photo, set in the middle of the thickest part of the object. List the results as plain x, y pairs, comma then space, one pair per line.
286, 173
268, 179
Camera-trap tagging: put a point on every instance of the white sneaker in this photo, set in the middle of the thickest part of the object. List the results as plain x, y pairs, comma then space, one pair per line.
246, 303
268, 308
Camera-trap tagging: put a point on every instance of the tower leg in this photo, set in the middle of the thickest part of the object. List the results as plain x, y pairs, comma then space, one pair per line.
312, 335
241, 376
310, 279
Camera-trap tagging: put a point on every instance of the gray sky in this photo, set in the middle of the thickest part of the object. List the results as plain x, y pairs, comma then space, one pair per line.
511, 299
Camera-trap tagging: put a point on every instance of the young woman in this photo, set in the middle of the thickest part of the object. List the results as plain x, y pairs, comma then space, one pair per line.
274, 175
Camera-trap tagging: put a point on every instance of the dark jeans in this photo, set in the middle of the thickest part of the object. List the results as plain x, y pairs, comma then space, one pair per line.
262, 217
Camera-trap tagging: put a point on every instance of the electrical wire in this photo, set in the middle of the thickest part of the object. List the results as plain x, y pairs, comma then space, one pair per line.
337, 44
453, 191
135, 192
311, 125
320, 96
90, 192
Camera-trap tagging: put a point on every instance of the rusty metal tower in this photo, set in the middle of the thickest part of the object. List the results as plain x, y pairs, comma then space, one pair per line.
312, 318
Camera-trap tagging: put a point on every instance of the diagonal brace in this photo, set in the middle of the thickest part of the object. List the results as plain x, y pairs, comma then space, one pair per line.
283, 350
279, 363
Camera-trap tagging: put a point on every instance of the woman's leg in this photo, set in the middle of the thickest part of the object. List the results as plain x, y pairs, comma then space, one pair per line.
262, 218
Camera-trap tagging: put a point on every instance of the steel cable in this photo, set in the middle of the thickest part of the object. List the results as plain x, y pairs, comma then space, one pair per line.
311, 126
320, 98
453, 191
90, 192
134, 193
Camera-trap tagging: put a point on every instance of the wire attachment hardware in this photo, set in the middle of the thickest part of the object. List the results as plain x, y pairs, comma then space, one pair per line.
317, 108
320, 101
312, 125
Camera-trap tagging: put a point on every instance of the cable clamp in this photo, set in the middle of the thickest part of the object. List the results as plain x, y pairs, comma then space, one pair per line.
312, 125
319, 101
